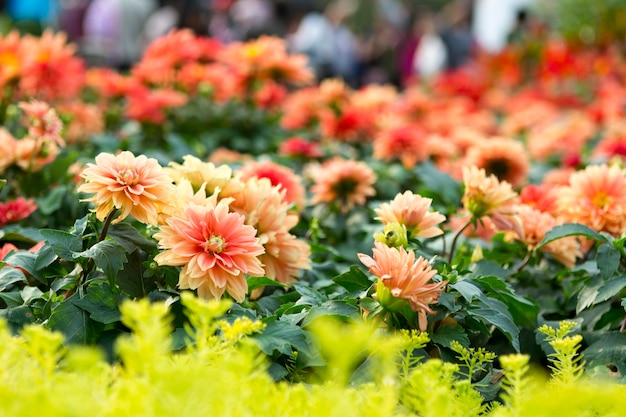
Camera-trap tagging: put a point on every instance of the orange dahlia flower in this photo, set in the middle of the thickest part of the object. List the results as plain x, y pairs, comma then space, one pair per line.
135, 185
405, 277
44, 122
412, 210
506, 158
215, 248
596, 197
406, 143
347, 182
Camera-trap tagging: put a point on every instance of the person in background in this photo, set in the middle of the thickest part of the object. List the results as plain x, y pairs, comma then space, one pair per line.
71, 18
457, 33
431, 55
331, 46
112, 31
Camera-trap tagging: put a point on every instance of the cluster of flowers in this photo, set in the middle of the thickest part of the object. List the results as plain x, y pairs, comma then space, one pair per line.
219, 225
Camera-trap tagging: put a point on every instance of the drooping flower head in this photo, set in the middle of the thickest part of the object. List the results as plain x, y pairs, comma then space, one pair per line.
596, 197
215, 248
412, 211
406, 277
278, 175
136, 185
347, 182
487, 196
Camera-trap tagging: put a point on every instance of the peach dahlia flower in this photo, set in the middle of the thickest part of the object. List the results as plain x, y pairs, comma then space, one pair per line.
406, 277
215, 248
412, 210
135, 185
596, 197
281, 176
347, 182
486, 196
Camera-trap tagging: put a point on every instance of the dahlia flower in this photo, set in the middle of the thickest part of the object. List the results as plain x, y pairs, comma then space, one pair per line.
278, 175
347, 182
215, 248
138, 186
412, 211
596, 197
406, 277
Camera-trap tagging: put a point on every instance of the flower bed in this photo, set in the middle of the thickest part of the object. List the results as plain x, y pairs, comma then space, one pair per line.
416, 251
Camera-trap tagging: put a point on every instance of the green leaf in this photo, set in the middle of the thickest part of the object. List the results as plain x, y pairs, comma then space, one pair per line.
52, 201
610, 348
29, 294
258, 282
27, 261
18, 316
610, 289
495, 312
21, 234
523, 310
353, 280
64, 244
9, 276
446, 334
12, 299
74, 323
335, 308
440, 183
108, 256
129, 238
131, 279
101, 304
588, 294
570, 229
283, 337
608, 258
467, 289
309, 296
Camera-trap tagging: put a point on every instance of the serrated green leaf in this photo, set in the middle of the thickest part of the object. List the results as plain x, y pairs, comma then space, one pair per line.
108, 256
258, 282
335, 308
446, 334
570, 229
101, 304
607, 258
610, 348
131, 278
588, 294
610, 289
353, 280
283, 337
74, 323
64, 244
309, 296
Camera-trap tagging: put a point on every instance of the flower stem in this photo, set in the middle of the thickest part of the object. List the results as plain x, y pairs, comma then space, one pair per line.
107, 223
456, 237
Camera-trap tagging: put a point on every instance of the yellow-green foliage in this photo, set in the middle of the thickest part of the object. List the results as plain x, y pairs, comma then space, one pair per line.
223, 374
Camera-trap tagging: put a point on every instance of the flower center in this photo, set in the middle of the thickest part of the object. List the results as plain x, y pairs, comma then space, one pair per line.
129, 176
601, 199
498, 167
215, 244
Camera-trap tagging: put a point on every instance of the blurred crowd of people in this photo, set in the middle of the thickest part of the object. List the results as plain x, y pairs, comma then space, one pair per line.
396, 41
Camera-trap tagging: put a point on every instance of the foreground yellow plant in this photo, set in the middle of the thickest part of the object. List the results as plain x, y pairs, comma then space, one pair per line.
221, 373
